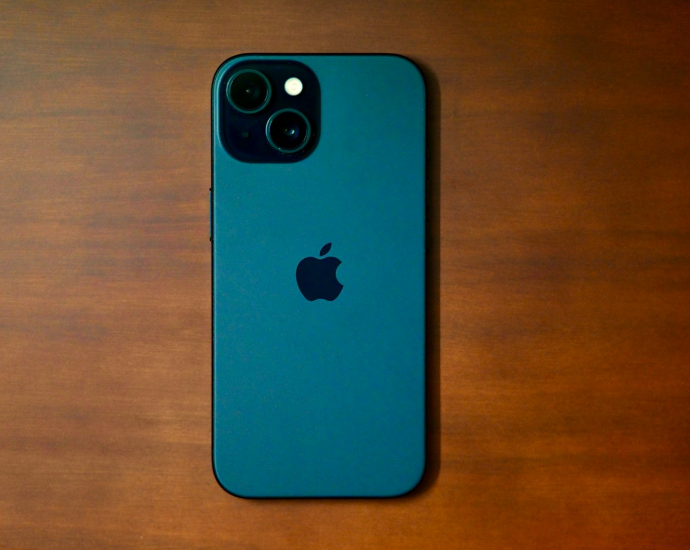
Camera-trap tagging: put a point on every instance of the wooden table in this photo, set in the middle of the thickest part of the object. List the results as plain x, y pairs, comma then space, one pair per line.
559, 381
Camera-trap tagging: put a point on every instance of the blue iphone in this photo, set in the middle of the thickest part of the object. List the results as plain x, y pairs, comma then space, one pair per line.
318, 237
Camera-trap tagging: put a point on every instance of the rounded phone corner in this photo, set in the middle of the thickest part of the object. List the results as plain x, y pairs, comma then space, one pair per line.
416, 69
410, 486
229, 61
225, 486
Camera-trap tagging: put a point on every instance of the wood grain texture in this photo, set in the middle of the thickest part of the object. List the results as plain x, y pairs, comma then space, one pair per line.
559, 376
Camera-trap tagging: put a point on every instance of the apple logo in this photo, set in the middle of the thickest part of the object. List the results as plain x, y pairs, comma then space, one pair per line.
316, 278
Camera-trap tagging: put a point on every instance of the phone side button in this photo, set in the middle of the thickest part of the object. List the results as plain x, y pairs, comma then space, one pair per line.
210, 215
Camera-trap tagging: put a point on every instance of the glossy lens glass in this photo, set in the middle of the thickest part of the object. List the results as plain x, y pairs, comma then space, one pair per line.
248, 91
288, 131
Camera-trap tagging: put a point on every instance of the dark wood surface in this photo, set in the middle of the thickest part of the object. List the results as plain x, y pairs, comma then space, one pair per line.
559, 378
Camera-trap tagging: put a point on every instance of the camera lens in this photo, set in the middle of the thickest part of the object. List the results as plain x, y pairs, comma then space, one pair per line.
248, 91
288, 130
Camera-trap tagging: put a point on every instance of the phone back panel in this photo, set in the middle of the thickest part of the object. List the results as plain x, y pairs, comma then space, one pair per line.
324, 398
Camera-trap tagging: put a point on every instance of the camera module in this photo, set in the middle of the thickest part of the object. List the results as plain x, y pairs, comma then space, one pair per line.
269, 110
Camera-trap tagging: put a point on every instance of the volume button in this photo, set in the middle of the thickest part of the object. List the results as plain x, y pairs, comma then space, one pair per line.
210, 215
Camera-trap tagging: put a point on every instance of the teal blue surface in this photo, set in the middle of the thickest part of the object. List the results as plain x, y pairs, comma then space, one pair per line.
324, 399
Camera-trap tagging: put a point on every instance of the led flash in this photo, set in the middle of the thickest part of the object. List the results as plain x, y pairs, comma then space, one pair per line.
293, 86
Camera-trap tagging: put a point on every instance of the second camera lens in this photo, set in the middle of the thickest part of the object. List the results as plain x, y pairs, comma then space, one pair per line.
288, 131
248, 91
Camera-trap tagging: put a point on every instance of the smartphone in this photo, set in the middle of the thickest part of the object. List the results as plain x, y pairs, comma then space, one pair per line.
318, 239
